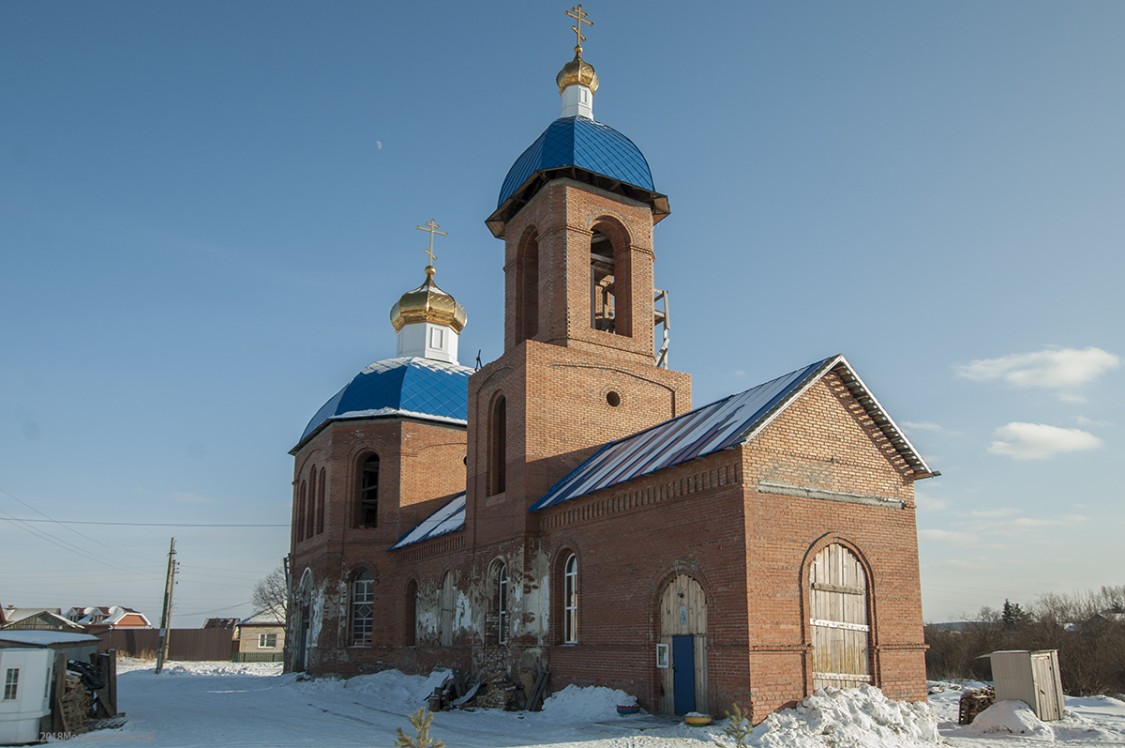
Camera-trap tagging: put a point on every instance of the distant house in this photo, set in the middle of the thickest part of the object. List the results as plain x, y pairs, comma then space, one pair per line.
103, 618
260, 638
220, 623
36, 619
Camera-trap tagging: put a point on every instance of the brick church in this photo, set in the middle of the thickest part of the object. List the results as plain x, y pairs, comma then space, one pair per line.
565, 508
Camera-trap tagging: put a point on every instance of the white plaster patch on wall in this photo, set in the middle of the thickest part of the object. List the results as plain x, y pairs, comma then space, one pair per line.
463, 613
342, 611
428, 612
316, 614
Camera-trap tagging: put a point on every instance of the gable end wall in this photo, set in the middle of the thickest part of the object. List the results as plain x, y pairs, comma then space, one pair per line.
824, 442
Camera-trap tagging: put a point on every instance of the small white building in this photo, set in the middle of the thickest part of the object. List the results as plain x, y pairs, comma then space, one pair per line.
30, 664
25, 680
1031, 677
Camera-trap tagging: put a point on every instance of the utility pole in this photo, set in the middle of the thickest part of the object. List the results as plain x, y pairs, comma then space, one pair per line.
166, 613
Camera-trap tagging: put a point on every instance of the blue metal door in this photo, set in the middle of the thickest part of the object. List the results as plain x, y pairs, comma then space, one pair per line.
683, 673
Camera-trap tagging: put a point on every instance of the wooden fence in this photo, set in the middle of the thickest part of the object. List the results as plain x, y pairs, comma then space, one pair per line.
183, 644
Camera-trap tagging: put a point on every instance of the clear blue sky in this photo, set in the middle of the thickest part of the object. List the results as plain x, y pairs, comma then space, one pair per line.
208, 208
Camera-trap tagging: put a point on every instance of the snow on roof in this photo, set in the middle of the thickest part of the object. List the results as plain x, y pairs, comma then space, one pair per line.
44, 638
712, 428
103, 614
13, 614
450, 518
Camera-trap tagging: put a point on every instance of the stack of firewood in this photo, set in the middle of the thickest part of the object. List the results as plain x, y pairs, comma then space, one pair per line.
497, 691
75, 704
974, 702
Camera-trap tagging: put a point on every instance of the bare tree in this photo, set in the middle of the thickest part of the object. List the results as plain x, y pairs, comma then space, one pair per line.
271, 594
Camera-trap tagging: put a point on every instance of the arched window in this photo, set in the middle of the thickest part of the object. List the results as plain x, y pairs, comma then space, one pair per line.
500, 600
602, 292
320, 504
497, 446
838, 606
527, 287
570, 599
611, 279
445, 625
410, 614
368, 512
362, 609
310, 509
299, 520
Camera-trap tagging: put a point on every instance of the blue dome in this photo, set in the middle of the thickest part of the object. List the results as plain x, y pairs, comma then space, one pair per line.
412, 387
581, 142
582, 149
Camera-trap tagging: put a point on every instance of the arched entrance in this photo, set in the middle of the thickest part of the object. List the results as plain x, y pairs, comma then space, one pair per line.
683, 630
838, 621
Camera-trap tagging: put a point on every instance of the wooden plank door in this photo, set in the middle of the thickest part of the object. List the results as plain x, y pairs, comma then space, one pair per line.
840, 630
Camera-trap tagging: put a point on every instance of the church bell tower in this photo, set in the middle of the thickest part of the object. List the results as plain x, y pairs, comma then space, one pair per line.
576, 213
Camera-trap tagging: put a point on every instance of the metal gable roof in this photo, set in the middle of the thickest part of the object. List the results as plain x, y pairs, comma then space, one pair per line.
415, 387
450, 518
715, 427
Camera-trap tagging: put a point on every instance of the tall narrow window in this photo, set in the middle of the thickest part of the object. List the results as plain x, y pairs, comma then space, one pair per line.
501, 584
570, 600
369, 493
299, 521
498, 446
320, 504
410, 616
362, 608
602, 291
527, 287
445, 626
11, 683
310, 516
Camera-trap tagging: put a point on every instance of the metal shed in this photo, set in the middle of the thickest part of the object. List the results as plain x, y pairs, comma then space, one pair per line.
1031, 677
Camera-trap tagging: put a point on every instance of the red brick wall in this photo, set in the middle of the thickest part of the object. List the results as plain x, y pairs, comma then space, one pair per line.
823, 443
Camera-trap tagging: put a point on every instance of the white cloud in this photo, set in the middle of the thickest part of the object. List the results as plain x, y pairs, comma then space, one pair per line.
948, 536
1066, 519
921, 426
992, 513
1061, 369
1038, 441
927, 503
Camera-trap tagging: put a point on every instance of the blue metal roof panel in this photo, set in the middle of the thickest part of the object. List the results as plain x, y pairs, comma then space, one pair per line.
709, 429
450, 518
416, 386
581, 142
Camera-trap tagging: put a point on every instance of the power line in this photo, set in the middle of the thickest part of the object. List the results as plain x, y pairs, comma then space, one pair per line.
43, 535
215, 610
139, 524
49, 518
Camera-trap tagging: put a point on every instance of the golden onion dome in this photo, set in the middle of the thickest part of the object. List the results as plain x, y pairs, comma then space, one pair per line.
428, 303
577, 72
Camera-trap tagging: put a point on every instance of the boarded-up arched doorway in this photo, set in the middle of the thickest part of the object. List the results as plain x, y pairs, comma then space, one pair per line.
838, 621
683, 629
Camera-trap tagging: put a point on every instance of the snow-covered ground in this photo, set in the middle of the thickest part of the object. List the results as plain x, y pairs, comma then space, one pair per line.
242, 706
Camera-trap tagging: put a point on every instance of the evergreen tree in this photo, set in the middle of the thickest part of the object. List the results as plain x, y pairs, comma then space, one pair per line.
1013, 615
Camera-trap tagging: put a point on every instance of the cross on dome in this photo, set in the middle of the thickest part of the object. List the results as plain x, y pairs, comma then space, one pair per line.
579, 17
432, 227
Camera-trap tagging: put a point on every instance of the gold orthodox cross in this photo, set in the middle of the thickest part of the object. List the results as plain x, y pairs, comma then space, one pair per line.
432, 227
579, 17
